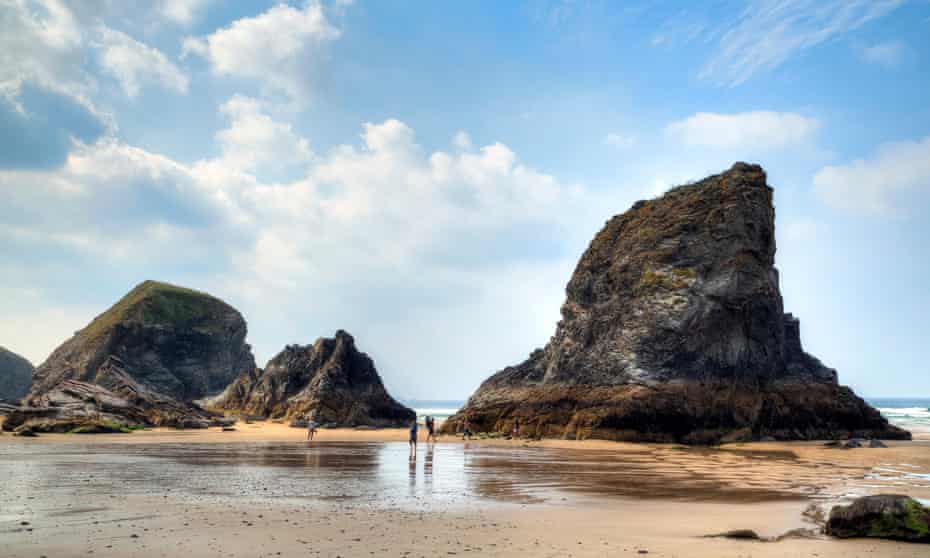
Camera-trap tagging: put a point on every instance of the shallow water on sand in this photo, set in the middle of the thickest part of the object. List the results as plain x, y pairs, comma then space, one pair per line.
60, 478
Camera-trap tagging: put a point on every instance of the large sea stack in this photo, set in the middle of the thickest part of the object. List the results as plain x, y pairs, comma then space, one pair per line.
330, 382
15, 375
144, 361
673, 330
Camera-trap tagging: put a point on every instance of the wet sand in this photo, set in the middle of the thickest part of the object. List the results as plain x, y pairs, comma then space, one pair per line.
261, 491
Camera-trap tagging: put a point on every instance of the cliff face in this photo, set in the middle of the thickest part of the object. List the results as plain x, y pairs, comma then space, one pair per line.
147, 358
329, 381
15, 375
673, 329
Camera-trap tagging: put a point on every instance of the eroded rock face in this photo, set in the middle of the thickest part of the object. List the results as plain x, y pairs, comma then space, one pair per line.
156, 351
15, 375
886, 516
673, 329
330, 381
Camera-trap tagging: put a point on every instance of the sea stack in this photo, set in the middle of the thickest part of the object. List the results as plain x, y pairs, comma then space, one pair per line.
673, 330
15, 375
144, 361
330, 382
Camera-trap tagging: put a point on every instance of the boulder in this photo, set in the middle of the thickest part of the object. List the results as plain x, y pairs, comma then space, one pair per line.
886, 516
330, 381
673, 330
15, 376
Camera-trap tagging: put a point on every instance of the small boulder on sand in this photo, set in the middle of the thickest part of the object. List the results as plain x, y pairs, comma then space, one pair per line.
885, 516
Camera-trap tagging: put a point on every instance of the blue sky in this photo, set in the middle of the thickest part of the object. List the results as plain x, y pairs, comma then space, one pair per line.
425, 175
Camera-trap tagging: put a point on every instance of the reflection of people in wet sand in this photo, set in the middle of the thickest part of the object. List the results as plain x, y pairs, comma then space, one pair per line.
413, 438
311, 430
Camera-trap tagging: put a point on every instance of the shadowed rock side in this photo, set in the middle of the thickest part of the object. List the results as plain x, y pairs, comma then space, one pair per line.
143, 361
330, 382
15, 375
673, 330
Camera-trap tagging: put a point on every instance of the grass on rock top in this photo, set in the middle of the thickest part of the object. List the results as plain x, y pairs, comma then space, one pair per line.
156, 302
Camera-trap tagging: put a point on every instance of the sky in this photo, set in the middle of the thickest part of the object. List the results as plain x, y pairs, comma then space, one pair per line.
425, 175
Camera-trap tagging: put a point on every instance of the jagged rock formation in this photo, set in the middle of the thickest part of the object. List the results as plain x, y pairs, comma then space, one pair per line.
15, 375
673, 330
329, 381
144, 361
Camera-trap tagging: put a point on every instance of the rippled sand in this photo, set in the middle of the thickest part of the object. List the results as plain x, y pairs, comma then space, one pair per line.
263, 490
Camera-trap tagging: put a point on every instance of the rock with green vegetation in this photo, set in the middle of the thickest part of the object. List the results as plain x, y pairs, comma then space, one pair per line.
146, 360
885, 516
330, 381
673, 330
15, 375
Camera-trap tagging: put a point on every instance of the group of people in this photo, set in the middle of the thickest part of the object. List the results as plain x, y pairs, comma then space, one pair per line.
430, 424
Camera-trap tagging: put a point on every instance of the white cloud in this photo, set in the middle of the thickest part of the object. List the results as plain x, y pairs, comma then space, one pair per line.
888, 54
134, 64
40, 43
282, 48
462, 141
750, 130
619, 141
374, 234
183, 12
767, 33
872, 186
255, 138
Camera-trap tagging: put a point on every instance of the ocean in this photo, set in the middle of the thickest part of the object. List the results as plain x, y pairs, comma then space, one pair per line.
909, 413
438, 409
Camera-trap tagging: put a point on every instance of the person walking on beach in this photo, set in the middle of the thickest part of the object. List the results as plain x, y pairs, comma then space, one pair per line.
430, 429
516, 428
311, 429
413, 438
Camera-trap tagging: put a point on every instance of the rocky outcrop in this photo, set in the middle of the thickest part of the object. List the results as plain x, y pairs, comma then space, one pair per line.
330, 381
15, 375
886, 516
143, 361
673, 329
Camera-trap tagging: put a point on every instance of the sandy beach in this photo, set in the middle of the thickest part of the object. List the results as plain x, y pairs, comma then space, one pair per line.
262, 491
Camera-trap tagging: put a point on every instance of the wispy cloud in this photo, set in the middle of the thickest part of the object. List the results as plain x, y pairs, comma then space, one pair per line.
759, 129
889, 54
768, 33
619, 141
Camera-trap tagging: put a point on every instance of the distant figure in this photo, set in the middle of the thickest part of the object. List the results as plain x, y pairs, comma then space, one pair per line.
413, 438
430, 429
466, 430
311, 429
516, 428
